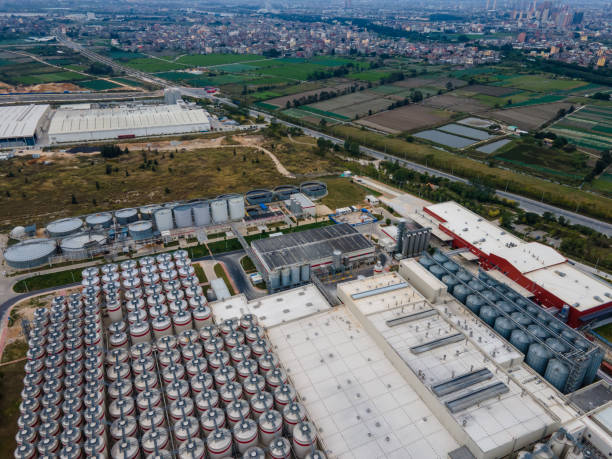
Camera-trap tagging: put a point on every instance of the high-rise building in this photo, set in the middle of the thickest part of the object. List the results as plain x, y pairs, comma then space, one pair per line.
578, 17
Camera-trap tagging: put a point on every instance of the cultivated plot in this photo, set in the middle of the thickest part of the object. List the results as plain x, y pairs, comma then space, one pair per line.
529, 117
406, 118
588, 127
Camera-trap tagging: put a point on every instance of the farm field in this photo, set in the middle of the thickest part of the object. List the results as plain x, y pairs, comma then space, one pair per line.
281, 101
541, 83
454, 101
98, 85
205, 60
530, 117
547, 162
152, 65
406, 118
354, 104
589, 127
603, 184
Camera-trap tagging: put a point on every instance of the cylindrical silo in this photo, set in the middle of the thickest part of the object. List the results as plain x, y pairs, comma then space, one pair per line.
163, 220
304, 439
193, 449
182, 216
504, 326
219, 211
275, 280
280, 448
125, 216
520, 340
146, 212
538, 357
219, 444
64, 227
201, 213
295, 275
100, 220
245, 434
557, 373
461, 292
473, 302
141, 230
437, 271
286, 277
270, 426
450, 281
30, 253
488, 314
236, 207
537, 331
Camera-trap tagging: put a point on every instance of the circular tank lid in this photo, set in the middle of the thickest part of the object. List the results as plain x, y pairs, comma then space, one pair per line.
32, 249
98, 219
78, 241
64, 225
140, 226
124, 213
182, 207
163, 211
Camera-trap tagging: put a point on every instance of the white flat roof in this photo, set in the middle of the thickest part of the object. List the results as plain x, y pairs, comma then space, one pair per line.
573, 286
108, 119
274, 309
537, 262
427, 221
361, 405
220, 288
20, 120
302, 200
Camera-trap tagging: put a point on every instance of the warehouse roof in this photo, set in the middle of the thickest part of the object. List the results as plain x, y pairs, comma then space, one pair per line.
309, 245
20, 120
107, 119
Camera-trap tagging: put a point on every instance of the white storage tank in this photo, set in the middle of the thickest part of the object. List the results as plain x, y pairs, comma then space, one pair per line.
163, 220
219, 444
128, 448
236, 207
100, 220
304, 439
141, 230
182, 216
201, 213
219, 211
155, 440
146, 212
193, 449
64, 227
125, 216
245, 434
270, 426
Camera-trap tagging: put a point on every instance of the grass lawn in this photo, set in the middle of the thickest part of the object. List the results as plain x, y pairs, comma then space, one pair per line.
200, 273
56, 279
15, 350
11, 377
220, 272
603, 184
53, 77
247, 265
605, 331
343, 192
540, 83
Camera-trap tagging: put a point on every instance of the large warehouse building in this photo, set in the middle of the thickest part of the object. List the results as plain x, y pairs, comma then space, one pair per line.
536, 267
126, 122
19, 124
287, 259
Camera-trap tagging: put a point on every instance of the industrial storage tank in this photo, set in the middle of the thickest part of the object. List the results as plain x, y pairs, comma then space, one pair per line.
201, 213
286, 277
475, 284
125, 216
275, 280
284, 192
474, 303
450, 281
182, 216
64, 227
464, 276
30, 253
83, 245
557, 373
141, 230
520, 340
100, 220
489, 314
521, 318
505, 306
538, 357
147, 212
236, 207
314, 189
461, 292
305, 274
451, 266
504, 326
440, 257
538, 331
259, 196
437, 271
295, 275
426, 261
163, 220
557, 346
218, 210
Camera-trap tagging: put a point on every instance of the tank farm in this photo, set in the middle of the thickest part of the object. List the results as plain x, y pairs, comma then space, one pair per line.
556, 351
134, 366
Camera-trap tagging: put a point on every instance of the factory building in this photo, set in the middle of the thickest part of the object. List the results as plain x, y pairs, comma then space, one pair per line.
20, 124
126, 122
538, 268
301, 205
287, 259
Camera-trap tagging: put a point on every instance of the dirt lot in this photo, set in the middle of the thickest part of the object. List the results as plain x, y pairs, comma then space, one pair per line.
46, 87
530, 117
405, 118
453, 102
495, 91
282, 101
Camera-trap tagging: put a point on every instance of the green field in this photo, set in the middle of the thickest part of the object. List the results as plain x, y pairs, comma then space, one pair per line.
589, 127
603, 184
98, 85
369, 75
151, 65
540, 83
204, 60
11, 377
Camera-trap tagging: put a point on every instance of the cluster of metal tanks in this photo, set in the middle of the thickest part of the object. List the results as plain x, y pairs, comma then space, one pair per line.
62, 409
153, 376
289, 276
561, 355
313, 190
